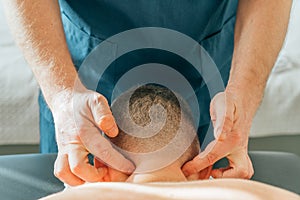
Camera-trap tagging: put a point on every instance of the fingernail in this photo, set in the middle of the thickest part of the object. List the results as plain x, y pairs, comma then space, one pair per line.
114, 131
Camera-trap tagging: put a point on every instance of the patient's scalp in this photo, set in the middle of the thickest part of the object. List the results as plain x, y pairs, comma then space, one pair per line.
146, 96
141, 104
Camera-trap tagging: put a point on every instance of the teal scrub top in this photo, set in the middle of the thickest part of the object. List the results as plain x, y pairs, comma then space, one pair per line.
88, 23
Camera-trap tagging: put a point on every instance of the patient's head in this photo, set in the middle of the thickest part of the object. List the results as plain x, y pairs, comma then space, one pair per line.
177, 113
140, 102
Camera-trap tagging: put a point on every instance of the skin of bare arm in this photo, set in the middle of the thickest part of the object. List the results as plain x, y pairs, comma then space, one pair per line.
259, 34
38, 30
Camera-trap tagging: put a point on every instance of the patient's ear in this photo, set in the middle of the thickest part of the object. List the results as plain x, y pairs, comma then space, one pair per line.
202, 175
112, 174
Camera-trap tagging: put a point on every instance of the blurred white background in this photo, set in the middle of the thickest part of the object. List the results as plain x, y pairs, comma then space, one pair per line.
275, 127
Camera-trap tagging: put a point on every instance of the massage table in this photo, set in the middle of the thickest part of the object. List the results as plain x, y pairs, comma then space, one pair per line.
30, 176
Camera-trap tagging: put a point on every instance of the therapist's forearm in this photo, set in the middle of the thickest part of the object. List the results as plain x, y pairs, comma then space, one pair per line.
38, 30
260, 30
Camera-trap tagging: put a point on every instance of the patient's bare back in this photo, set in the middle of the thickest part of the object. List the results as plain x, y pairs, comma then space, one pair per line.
208, 189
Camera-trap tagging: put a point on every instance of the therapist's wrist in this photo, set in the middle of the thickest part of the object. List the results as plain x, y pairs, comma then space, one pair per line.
66, 95
248, 96
60, 99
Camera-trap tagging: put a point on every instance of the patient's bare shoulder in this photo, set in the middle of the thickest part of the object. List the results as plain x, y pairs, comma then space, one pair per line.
234, 188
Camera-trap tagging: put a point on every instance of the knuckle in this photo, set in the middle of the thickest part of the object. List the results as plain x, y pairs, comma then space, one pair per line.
95, 99
211, 157
244, 173
76, 168
227, 120
251, 173
59, 173
58, 170
248, 176
101, 99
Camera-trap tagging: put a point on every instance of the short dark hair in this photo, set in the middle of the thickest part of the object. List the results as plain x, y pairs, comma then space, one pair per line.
140, 102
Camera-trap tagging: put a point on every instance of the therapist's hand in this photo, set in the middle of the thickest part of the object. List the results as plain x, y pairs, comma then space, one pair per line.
232, 123
78, 118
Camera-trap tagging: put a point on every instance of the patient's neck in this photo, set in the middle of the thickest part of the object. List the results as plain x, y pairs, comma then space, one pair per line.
168, 174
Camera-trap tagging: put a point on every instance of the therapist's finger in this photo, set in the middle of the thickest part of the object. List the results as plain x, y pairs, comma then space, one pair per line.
103, 116
103, 150
206, 173
81, 167
212, 153
218, 173
231, 172
202, 175
99, 164
239, 167
62, 171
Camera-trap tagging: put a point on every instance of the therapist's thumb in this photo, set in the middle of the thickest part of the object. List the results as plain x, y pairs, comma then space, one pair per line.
222, 115
103, 116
